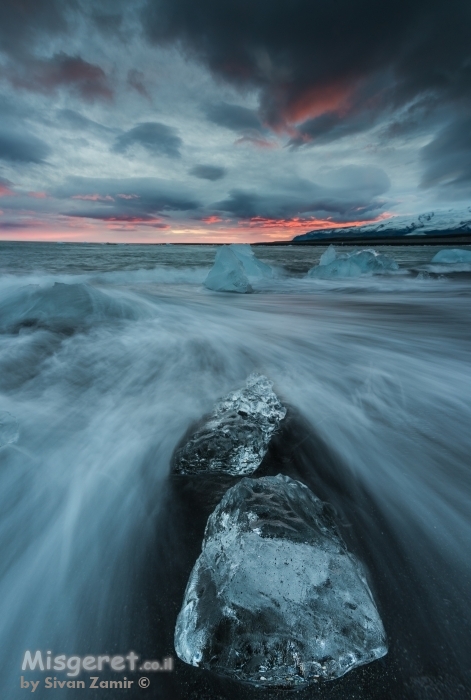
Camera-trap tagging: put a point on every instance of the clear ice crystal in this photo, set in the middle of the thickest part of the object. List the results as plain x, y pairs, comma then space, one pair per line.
235, 438
227, 274
275, 598
328, 256
253, 267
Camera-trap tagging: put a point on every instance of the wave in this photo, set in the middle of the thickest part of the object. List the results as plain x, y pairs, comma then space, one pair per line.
105, 374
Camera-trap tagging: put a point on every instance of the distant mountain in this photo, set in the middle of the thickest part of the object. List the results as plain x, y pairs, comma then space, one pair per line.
439, 222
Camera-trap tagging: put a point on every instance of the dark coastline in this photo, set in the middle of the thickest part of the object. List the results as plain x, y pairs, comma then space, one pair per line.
443, 240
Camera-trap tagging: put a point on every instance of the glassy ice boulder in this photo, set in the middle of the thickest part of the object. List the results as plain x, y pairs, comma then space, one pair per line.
342, 266
227, 274
372, 261
452, 255
61, 307
363, 262
253, 267
328, 256
235, 438
275, 598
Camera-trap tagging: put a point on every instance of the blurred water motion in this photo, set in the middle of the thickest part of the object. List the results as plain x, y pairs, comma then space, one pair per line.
106, 359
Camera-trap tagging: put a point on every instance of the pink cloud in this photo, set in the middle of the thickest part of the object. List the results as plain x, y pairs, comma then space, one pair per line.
94, 197
38, 195
5, 191
62, 70
258, 142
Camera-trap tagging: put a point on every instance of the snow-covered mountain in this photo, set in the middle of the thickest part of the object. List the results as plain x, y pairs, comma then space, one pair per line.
443, 222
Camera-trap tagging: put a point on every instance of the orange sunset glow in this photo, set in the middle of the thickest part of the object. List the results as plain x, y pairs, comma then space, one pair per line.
212, 229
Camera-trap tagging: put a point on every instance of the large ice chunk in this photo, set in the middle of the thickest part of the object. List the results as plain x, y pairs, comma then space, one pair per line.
235, 438
372, 261
227, 274
452, 255
253, 267
362, 262
342, 266
328, 256
60, 307
275, 598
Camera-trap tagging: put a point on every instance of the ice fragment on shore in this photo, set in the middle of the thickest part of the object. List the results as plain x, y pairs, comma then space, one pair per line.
352, 264
275, 598
453, 255
235, 438
61, 307
253, 267
227, 273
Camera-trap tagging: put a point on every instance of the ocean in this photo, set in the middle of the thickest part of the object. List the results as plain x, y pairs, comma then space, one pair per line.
109, 353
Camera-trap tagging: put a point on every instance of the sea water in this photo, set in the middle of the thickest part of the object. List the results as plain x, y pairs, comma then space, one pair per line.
108, 353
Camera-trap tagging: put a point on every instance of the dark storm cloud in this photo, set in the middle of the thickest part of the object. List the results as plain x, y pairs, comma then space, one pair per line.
136, 81
15, 225
85, 79
242, 120
422, 115
78, 122
315, 57
22, 147
350, 194
233, 117
447, 159
108, 22
208, 172
127, 199
284, 206
329, 127
5, 187
23, 22
366, 181
156, 138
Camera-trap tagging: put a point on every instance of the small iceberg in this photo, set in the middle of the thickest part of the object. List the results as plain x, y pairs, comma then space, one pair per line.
235, 438
275, 599
61, 307
227, 274
363, 262
235, 266
452, 256
328, 256
253, 267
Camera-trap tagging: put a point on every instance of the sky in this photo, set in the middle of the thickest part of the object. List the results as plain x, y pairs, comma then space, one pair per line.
237, 121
